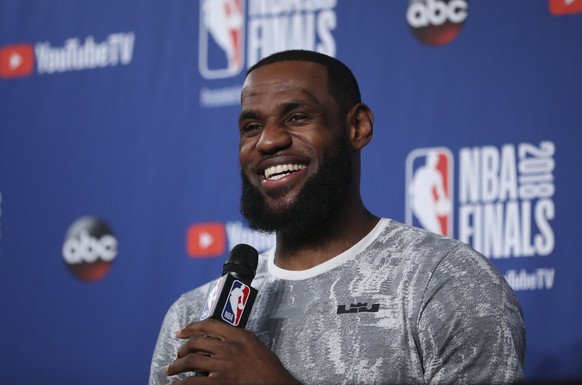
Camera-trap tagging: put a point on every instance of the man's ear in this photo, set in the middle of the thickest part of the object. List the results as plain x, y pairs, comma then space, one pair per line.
361, 125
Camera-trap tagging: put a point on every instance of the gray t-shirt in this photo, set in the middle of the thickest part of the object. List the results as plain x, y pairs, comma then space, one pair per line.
401, 306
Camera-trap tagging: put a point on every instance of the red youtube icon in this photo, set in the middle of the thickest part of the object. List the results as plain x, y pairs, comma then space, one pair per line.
16, 60
206, 240
565, 7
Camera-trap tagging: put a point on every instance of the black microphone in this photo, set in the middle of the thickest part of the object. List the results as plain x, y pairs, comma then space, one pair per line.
230, 298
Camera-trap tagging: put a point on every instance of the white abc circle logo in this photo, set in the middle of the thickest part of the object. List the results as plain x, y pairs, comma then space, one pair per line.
89, 248
436, 13
86, 248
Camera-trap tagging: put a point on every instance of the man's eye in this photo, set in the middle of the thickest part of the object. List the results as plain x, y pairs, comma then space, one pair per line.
296, 118
248, 128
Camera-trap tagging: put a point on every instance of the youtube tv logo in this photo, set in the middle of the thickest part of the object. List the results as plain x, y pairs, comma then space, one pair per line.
205, 240
75, 54
16, 61
215, 239
565, 7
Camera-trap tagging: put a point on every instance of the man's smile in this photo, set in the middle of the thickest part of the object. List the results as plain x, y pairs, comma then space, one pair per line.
282, 170
277, 178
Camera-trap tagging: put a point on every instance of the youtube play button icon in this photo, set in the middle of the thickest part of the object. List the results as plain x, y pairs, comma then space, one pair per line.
16, 60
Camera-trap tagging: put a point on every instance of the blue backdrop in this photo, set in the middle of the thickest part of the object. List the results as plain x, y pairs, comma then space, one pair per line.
119, 177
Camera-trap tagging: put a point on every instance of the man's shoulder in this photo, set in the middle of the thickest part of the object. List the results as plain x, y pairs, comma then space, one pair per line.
401, 240
424, 253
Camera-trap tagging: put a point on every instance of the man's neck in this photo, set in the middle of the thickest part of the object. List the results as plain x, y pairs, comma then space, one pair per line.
333, 237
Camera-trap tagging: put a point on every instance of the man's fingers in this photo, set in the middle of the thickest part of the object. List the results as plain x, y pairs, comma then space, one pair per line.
191, 362
210, 327
201, 344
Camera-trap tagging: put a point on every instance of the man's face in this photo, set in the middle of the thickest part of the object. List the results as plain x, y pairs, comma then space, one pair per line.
294, 153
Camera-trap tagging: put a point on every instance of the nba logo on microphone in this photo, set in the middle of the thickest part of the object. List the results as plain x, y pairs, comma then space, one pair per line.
429, 190
221, 48
212, 298
235, 303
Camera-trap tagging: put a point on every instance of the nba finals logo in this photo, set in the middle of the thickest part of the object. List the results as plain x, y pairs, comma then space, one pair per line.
429, 184
505, 206
236, 302
236, 34
221, 49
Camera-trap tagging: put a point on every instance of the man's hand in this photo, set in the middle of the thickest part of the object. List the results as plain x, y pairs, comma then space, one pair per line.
228, 355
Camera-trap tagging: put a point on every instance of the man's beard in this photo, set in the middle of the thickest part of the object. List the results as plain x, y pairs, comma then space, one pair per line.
317, 201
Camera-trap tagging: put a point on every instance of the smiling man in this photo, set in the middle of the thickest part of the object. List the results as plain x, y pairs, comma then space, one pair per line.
345, 297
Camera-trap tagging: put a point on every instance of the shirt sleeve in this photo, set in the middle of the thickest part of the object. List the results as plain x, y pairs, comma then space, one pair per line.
166, 348
185, 310
470, 326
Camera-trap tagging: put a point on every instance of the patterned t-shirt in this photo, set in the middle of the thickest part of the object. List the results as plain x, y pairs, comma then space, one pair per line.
401, 306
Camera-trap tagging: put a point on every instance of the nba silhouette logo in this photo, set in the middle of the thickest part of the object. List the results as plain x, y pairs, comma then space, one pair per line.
211, 298
221, 47
429, 190
235, 303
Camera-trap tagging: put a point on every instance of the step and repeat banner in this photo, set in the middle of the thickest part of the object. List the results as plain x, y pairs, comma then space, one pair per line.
119, 177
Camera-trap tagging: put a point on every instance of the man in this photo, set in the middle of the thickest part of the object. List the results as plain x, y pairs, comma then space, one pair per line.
345, 297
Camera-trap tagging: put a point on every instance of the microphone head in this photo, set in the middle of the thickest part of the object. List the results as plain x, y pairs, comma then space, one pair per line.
242, 262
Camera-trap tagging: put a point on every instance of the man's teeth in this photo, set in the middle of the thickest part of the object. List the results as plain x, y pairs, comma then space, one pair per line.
278, 172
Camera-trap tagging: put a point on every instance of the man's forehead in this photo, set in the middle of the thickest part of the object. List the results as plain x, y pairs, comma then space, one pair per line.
295, 70
280, 101
289, 77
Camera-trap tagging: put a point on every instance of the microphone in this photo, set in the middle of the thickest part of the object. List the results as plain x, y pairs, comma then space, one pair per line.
230, 298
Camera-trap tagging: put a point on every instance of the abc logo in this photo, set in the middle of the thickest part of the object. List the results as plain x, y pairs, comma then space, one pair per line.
89, 248
436, 22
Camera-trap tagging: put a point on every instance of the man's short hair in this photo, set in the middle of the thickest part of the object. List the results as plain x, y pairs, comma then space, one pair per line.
341, 83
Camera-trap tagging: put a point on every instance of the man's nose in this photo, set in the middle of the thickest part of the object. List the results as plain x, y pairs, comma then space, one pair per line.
273, 138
